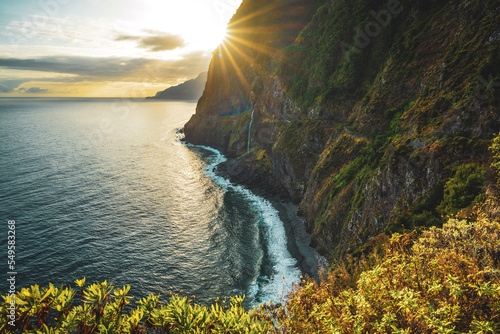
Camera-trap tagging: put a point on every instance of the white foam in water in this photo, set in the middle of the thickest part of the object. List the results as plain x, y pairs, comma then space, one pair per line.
286, 272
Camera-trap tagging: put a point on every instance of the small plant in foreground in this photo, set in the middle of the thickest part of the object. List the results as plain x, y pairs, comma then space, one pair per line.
102, 310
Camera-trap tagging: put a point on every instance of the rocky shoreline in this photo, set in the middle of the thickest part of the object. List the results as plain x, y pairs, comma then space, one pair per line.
310, 262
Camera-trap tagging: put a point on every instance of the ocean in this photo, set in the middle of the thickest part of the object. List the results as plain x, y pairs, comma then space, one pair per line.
105, 189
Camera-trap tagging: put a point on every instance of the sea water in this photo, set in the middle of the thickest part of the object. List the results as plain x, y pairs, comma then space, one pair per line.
104, 189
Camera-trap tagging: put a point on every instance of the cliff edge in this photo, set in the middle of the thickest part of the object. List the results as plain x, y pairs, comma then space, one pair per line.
373, 116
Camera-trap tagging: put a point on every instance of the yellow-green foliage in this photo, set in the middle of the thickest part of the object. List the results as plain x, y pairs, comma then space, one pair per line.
53, 310
495, 149
447, 281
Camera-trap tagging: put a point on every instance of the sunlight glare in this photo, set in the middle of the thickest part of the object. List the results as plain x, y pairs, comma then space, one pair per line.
208, 36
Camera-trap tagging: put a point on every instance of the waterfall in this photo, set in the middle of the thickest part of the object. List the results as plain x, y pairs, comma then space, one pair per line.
250, 129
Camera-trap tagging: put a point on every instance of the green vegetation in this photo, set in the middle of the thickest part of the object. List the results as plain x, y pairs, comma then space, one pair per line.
461, 190
366, 161
392, 118
423, 214
374, 107
316, 68
294, 139
447, 280
495, 149
445, 199
101, 309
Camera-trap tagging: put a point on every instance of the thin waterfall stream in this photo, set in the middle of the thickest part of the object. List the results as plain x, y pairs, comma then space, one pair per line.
250, 129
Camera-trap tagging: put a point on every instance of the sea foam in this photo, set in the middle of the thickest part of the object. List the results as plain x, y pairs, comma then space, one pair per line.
285, 273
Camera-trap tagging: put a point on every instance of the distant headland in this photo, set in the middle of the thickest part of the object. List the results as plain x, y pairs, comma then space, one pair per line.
186, 91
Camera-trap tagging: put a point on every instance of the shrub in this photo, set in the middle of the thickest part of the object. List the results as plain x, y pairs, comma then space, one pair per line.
495, 150
461, 190
101, 309
447, 281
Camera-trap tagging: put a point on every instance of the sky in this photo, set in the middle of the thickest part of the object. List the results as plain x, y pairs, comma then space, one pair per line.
106, 48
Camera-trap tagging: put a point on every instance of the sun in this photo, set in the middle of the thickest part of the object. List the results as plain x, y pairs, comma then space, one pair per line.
219, 35
215, 35
206, 37
199, 23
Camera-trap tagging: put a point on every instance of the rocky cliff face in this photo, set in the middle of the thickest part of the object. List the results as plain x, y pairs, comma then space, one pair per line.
374, 116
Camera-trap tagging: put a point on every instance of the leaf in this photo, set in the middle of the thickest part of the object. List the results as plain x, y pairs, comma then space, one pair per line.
80, 282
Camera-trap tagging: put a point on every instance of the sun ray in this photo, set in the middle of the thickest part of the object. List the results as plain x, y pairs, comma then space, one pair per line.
247, 58
239, 72
264, 10
253, 45
249, 38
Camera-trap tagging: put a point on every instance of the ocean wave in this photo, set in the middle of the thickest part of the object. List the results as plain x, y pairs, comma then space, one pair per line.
278, 280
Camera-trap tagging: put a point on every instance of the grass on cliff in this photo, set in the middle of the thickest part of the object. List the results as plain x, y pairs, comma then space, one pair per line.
447, 280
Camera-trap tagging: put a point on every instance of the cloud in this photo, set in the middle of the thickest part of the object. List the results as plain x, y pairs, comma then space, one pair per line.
101, 69
161, 42
127, 38
35, 90
8, 86
42, 29
88, 66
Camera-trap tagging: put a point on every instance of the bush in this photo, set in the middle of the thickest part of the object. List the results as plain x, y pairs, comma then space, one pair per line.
461, 190
495, 150
447, 281
101, 309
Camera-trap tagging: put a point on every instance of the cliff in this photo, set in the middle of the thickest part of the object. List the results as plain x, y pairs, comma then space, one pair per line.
373, 116
186, 91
